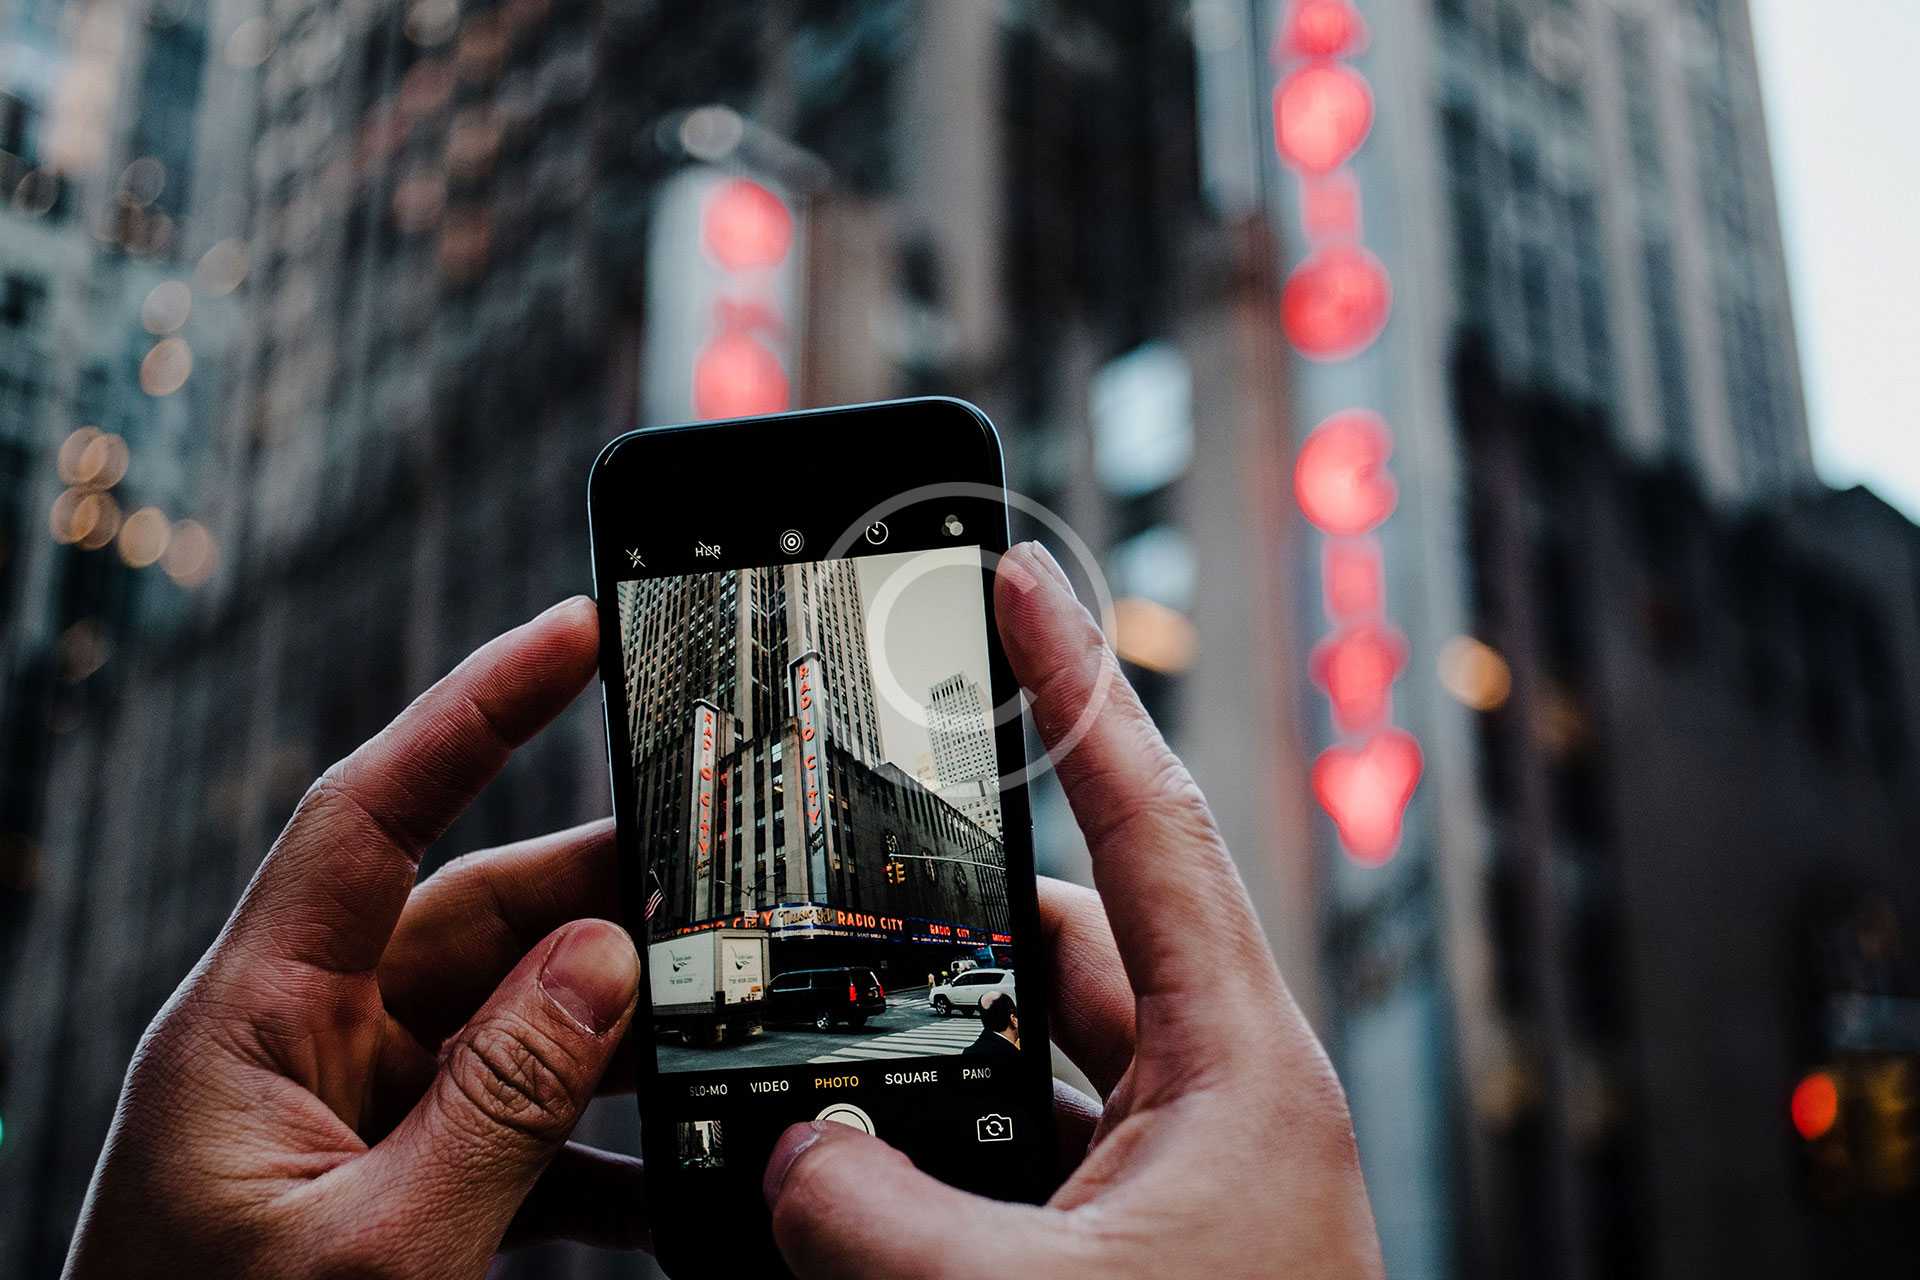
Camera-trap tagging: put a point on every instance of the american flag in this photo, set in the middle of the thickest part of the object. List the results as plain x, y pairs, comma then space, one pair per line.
656, 897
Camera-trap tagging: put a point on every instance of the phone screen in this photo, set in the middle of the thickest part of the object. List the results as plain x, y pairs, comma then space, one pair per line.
828, 857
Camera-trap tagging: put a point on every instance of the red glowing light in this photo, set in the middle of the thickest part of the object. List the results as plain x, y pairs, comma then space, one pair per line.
1336, 302
1352, 579
736, 377
1321, 114
1815, 1106
746, 226
1365, 791
1357, 666
1322, 29
1341, 479
1330, 207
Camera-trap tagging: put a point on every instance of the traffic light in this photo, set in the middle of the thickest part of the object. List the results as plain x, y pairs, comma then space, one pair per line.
1858, 1120
896, 871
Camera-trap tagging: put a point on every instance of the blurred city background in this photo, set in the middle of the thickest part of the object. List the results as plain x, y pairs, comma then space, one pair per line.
1424, 373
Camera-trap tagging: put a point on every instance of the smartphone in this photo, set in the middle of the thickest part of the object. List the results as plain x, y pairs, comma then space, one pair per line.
819, 771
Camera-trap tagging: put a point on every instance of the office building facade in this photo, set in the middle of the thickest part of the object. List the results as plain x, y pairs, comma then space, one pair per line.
963, 755
762, 792
1570, 200
1695, 727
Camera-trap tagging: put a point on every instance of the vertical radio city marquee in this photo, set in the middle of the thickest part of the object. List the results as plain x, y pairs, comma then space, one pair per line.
706, 724
809, 694
1335, 305
724, 262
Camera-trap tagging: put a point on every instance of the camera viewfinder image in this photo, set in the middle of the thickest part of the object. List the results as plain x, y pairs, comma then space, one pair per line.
818, 809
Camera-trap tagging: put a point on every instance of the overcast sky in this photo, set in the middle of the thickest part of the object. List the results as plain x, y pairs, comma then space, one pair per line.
936, 625
1842, 86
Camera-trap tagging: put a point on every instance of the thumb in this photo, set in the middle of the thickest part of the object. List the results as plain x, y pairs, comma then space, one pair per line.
847, 1204
510, 1088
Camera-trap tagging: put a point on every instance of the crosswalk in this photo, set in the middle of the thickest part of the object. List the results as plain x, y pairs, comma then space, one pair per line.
936, 1036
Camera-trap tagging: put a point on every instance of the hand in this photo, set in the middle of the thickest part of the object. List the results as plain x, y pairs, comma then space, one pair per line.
362, 1077
1224, 1147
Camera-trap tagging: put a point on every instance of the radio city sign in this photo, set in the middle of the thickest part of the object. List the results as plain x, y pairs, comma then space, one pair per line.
808, 690
700, 822
1335, 305
821, 918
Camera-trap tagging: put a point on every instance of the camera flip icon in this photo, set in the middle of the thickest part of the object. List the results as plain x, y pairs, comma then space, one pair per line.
993, 1127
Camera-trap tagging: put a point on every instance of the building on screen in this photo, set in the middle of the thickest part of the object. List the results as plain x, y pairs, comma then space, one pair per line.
963, 756
761, 791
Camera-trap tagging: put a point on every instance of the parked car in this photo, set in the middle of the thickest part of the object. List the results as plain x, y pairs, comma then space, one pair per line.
967, 989
825, 997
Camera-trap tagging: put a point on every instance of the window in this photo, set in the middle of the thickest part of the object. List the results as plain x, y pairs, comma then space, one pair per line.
1669, 346
21, 299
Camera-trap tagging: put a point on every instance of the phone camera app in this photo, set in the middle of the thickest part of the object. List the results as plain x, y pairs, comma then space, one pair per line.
817, 797
993, 1127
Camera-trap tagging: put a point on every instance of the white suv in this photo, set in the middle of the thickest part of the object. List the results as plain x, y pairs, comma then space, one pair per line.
967, 989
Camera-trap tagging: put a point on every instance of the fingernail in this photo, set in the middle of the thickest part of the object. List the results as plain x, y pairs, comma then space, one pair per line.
1013, 568
592, 973
1052, 566
793, 1144
582, 602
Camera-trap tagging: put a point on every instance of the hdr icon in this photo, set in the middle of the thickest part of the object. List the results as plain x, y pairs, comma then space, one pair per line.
707, 550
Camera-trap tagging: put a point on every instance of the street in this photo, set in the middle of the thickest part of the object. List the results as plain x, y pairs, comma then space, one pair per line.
908, 1029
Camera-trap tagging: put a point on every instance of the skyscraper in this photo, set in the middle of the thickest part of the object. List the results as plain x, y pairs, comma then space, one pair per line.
963, 755
729, 651
1604, 172
115, 314
762, 787
1572, 202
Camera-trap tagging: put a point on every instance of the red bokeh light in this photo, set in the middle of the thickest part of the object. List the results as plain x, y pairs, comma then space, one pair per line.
1356, 667
1321, 114
1330, 207
1365, 791
1322, 29
1353, 579
746, 226
737, 377
1341, 479
1336, 302
1815, 1106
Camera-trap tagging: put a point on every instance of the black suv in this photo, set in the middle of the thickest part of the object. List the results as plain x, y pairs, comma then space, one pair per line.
824, 997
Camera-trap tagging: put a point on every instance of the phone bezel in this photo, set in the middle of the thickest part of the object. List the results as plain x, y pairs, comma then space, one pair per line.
643, 491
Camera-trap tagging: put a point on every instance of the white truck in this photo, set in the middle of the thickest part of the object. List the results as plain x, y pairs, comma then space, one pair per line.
710, 983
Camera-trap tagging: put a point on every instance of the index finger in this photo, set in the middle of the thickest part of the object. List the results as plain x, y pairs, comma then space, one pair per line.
1181, 917
335, 881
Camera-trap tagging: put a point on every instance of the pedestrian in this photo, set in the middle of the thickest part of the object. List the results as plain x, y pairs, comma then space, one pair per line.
999, 1028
